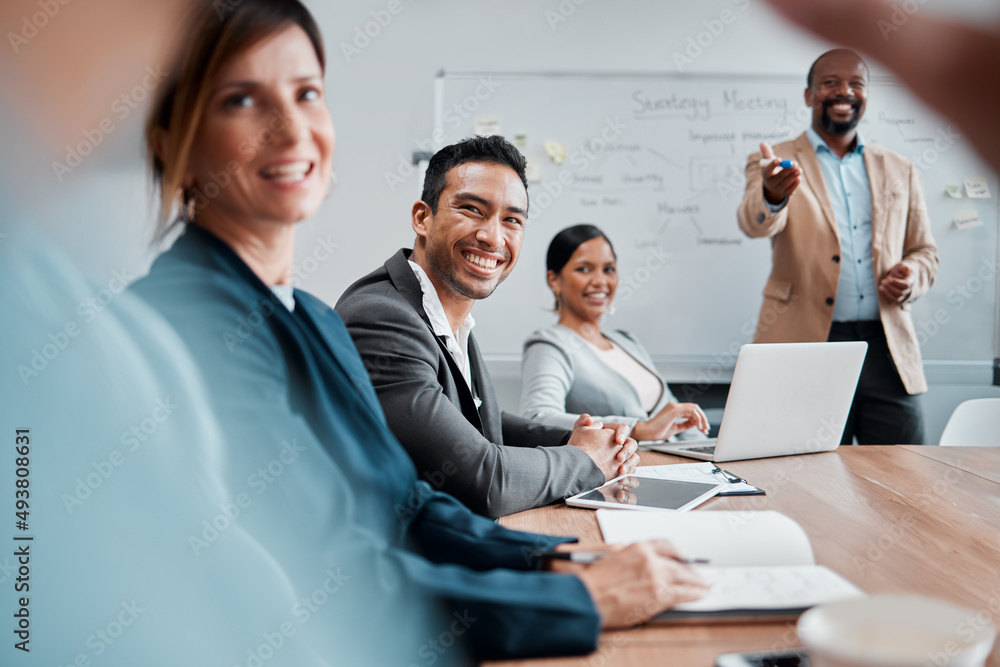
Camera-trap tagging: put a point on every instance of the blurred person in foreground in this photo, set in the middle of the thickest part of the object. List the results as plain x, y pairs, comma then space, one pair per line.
575, 367
138, 553
286, 383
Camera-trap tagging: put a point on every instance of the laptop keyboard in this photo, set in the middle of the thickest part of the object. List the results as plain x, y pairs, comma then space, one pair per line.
709, 449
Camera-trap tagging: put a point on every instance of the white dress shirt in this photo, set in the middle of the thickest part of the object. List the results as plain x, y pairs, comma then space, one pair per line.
457, 343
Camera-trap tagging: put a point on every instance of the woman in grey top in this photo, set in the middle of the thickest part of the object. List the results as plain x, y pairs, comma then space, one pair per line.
573, 367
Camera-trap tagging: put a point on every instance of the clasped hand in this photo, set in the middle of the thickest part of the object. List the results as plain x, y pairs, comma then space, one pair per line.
609, 445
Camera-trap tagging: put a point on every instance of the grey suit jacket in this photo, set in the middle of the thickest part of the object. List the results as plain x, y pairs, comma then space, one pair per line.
561, 378
494, 462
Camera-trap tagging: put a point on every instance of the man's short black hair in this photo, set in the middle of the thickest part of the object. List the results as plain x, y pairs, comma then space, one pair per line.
495, 150
812, 68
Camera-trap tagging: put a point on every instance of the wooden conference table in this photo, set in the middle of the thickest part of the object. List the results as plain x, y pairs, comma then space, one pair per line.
892, 519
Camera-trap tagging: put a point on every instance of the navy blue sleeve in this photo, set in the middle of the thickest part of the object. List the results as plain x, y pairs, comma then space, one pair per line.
404, 556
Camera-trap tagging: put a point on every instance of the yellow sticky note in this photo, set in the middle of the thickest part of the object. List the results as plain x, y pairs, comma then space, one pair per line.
556, 151
968, 219
976, 187
487, 126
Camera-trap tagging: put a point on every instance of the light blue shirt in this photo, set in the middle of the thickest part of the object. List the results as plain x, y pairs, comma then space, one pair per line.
851, 196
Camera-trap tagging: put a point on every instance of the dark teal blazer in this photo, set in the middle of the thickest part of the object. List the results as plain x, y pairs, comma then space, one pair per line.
284, 381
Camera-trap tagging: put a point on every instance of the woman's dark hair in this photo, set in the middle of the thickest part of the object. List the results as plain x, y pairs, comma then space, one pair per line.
493, 149
215, 34
565, 243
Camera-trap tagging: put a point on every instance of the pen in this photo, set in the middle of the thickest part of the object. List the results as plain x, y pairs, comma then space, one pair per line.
730, 477
588, 557
785, 164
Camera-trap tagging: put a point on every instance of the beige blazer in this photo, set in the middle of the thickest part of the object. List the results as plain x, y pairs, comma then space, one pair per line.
805, 251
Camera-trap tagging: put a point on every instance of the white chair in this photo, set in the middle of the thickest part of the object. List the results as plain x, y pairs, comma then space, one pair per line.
974, 423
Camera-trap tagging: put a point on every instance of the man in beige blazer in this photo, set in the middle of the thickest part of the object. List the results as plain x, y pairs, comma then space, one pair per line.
851, 248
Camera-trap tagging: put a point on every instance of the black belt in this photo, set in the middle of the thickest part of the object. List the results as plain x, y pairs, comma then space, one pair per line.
860, 330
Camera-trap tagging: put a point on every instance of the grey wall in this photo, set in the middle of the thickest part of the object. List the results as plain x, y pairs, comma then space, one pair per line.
381, 96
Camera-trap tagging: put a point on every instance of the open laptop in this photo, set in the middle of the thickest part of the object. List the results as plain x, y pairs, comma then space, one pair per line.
786, 398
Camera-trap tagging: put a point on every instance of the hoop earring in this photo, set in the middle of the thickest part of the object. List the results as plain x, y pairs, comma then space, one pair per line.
188, 208
332, 185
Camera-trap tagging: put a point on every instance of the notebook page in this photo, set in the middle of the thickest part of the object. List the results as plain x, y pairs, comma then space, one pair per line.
769, 588
726, 539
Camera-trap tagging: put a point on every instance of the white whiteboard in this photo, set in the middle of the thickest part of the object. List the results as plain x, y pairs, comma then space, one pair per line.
657, 162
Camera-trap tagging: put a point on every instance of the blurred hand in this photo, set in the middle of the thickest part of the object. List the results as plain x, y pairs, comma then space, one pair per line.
779, 184
638, 582
569, 567
609, 445
664, 424
897, 284
874, 27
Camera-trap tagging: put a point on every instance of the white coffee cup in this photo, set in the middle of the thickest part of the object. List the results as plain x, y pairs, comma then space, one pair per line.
896, 631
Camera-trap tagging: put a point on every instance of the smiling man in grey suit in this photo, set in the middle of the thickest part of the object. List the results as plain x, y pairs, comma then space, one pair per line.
851, 248
412, 322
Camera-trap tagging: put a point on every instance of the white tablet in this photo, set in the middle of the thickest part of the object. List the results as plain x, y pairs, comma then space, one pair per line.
646, 493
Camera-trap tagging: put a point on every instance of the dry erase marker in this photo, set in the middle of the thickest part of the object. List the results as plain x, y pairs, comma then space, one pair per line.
785, 164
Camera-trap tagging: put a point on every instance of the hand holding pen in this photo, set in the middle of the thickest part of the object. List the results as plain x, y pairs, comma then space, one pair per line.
630, 585
588, 557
